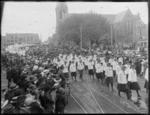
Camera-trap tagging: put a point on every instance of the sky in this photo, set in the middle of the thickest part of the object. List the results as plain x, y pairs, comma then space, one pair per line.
40, 17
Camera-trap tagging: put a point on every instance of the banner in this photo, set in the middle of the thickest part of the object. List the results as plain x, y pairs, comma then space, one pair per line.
18, 48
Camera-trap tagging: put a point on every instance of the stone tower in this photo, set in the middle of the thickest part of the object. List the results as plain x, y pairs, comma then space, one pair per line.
61, 13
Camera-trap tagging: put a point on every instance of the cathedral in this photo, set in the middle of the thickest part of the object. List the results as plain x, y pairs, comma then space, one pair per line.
121, 24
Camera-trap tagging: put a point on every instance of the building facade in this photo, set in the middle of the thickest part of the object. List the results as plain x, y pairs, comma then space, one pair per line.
123, 25
18, 38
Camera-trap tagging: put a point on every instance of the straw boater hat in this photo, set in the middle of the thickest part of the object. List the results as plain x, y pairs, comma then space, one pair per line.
57, 79
29, 100
35, 67
13, 85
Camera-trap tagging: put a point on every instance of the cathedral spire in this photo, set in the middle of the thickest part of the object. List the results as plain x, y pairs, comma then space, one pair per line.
61, 12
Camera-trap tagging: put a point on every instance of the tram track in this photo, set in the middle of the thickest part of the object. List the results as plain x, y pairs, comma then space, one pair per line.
94, 96
136, 109
100, 98
79, 104
105, 98
131, 104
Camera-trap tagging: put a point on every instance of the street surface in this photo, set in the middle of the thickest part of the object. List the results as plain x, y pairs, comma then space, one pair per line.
91, 97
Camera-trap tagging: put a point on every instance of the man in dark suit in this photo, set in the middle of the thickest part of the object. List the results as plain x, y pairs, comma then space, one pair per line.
9, 76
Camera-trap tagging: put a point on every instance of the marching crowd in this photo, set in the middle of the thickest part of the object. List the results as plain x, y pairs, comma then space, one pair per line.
37, 81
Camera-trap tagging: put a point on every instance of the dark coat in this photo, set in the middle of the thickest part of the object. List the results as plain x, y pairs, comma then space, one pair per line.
9, 74
61, 101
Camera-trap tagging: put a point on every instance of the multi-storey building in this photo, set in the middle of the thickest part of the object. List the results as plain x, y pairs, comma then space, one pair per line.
20, 38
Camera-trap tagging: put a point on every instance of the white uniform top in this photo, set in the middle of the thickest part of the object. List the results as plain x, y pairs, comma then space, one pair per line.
54, 60
109, 72
90, 65
142, 69
35, 67
80, 66
60, 63
36, 61
65, 70
146, 74
132, 75
89, 58
98, 68
118, 68
114, 65
73, 67
110, 60
120, 60
127, 69
86, 62
95, 57
122, 78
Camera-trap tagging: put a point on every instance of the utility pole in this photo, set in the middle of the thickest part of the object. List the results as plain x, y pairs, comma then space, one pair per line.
81, 36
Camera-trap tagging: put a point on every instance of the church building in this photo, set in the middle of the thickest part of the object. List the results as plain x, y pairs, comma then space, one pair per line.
122, 24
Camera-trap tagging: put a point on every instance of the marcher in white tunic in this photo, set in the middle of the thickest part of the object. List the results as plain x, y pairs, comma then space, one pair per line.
114, 65
99, 71
73, 69
132, 80
80, 67
86, 63
65, 69
90, 68
109, 75
122, 83
118, 68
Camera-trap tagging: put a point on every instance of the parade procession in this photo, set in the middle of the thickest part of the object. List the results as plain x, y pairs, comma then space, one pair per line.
67, 78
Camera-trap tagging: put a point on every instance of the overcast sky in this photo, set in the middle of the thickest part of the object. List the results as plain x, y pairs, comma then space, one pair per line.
39, 17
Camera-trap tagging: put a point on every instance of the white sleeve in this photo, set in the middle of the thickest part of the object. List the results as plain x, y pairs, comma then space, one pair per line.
118, 78
146, 74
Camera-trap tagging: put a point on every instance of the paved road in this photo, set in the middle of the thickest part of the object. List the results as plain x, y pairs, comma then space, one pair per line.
95, 98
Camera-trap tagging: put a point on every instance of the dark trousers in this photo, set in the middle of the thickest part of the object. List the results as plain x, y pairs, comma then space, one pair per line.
59, 110
81, 73
126, 90
9, 82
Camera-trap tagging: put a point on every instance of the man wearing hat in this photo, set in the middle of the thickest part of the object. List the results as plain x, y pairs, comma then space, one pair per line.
60, 101
122, 83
